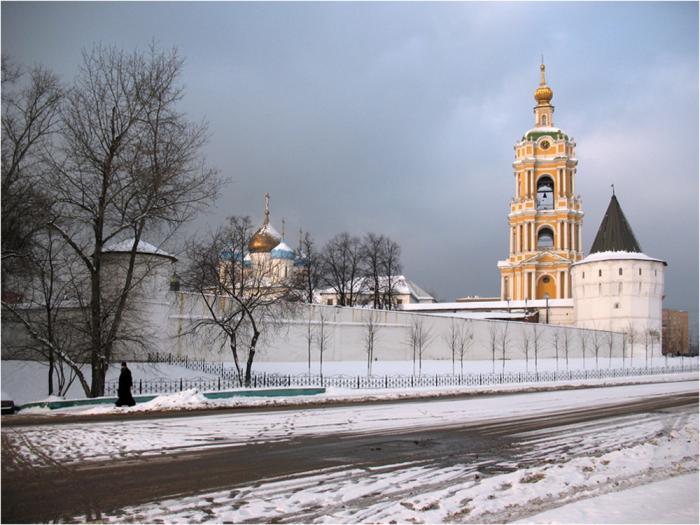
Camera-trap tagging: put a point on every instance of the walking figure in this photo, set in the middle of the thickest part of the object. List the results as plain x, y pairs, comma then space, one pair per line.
124, 390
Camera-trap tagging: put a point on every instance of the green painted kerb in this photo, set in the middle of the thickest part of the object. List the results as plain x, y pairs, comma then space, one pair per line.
271, 392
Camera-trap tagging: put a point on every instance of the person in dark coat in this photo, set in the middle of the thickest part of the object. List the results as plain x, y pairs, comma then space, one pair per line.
124, 390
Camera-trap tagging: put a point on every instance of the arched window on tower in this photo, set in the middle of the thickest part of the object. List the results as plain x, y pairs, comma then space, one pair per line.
545, 193
544, 120
545, 239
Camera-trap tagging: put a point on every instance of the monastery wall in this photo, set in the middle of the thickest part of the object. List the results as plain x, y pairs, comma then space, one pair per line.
287, 338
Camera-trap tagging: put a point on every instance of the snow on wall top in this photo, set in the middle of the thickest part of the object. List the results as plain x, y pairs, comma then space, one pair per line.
617, 255
141, 247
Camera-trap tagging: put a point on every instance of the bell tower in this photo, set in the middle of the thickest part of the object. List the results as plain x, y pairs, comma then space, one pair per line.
545, 219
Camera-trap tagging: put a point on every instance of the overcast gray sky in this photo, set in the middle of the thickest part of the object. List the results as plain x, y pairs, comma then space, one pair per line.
400, 118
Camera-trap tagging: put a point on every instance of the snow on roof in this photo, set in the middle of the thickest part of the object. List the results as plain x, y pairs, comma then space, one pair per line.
618, 255
282, 251
489, 305
141, 247
482, 315
543, 129
401, 286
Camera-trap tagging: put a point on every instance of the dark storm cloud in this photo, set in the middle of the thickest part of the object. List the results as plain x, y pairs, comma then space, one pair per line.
400, 118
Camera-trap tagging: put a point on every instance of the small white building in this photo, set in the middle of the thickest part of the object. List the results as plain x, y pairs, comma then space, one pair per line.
619, 288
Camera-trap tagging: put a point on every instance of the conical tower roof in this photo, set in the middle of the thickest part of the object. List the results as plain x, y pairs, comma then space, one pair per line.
615, 234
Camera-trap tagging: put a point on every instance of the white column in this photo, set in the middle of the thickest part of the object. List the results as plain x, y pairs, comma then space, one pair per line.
532, 236
557, 244
580, 240
503, 288
566, 185
510, 240
566, 235
533, 290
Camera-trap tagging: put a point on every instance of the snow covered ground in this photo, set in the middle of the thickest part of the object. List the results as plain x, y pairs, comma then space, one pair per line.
569, 465
672, 500
26, 381
80, 442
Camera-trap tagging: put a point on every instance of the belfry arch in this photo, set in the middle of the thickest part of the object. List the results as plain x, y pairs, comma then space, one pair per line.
545, 238
545, 193
546, 286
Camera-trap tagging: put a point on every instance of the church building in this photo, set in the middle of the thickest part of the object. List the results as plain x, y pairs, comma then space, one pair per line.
545, 219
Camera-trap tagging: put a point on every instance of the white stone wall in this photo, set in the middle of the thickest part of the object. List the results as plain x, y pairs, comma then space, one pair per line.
622, 295
287, 340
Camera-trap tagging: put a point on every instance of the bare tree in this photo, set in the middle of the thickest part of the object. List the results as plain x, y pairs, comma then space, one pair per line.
371, 253
631, 334
420, 338
311, 274
583, 341
125, 162
655, 337
567, 343
372, 328
323, 336
650, 336
609, 340
465, 340
493, 343
239, 300
504, 339
309, 334
451, 338
391, 265
596, 341
556, 343
30, 118
49, 316
342, 258
526, 341
536, 339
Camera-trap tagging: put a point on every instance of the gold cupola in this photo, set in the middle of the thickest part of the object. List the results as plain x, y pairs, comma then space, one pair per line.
543, 94
266, 238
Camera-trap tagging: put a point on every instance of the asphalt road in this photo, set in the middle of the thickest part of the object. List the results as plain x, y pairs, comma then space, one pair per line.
61, 492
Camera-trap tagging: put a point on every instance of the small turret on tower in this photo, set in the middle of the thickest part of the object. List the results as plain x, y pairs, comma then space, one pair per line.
543, 96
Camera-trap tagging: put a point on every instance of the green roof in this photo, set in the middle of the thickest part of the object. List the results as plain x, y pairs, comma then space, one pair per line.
534, 135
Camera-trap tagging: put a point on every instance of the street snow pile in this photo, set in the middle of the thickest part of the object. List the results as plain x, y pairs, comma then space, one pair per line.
673, 500
410, 493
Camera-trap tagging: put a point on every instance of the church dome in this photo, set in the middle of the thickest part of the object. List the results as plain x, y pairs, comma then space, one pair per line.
543, 94
266, 238
282, 251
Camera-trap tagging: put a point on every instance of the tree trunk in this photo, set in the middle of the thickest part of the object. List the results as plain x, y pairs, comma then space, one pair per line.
251, 357
234, 351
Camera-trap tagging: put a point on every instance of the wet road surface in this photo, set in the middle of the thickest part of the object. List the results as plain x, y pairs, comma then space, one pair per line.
31, 494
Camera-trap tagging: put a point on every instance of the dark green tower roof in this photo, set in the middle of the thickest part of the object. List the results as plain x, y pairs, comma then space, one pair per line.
615, 233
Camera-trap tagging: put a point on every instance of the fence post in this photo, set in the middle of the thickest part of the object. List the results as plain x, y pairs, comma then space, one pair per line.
140, 386
386, 381
358, 382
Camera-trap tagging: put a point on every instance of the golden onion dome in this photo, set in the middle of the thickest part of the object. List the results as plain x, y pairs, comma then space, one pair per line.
543, 94
266, 238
